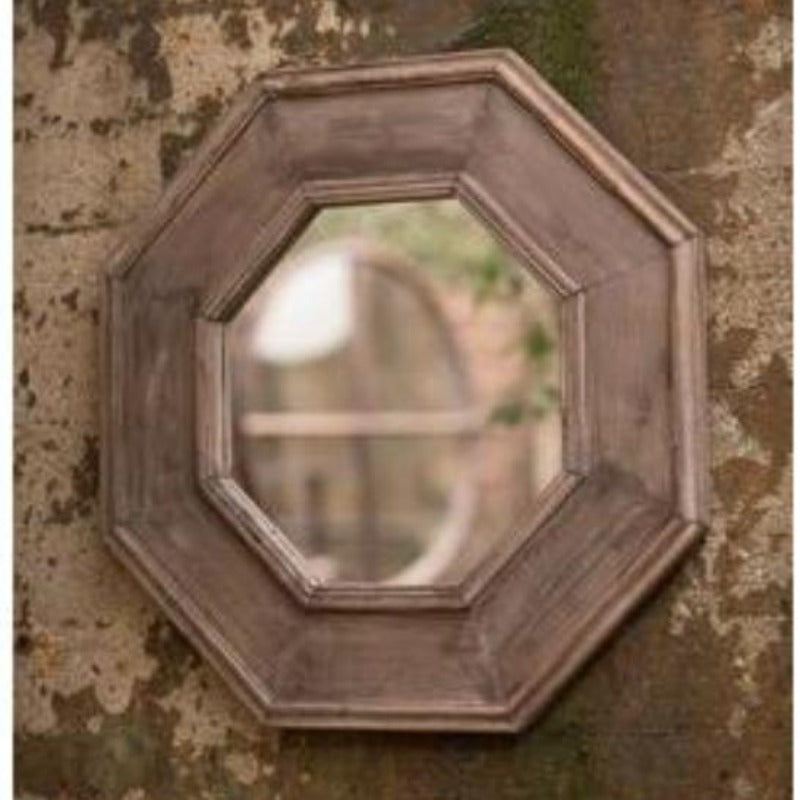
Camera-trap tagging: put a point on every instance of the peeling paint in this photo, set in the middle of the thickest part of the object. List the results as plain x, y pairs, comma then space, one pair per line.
748, 550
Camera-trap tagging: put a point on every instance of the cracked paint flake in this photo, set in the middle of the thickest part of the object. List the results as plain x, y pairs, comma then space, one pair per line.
206, 714
243, 766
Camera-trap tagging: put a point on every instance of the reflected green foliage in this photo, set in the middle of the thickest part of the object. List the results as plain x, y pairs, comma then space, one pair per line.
509, 413
441, 235
451, 245
538, 343
539, 346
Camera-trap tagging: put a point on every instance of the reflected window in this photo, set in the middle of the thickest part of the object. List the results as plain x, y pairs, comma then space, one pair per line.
395, 386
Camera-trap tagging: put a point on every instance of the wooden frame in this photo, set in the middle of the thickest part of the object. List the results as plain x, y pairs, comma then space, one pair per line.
489, 653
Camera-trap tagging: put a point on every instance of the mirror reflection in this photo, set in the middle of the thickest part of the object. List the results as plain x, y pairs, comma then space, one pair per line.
396, 404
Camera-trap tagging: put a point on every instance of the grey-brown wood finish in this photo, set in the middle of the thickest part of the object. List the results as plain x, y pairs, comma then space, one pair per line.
487, 653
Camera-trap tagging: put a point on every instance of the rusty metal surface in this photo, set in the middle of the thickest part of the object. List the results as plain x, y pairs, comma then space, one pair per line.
693, 699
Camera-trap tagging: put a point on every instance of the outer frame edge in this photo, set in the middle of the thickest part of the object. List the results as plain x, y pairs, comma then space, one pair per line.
690, 370
675, 540
190, 177
180, 609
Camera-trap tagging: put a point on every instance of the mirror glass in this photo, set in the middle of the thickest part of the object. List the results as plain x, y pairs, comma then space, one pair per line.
396, 393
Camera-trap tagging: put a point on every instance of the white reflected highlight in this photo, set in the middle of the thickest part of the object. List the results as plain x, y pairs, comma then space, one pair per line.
310, 314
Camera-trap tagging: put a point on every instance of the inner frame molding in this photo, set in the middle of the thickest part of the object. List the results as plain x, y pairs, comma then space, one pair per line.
489, 652
214, 460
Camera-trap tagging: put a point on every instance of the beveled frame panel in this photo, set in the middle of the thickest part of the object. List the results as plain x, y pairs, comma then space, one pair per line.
489, 653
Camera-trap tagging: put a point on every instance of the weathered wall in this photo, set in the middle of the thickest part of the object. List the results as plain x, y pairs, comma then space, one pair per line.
692, 700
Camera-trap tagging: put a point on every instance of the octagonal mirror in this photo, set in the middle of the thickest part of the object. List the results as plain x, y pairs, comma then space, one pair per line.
396, 404
404, 403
